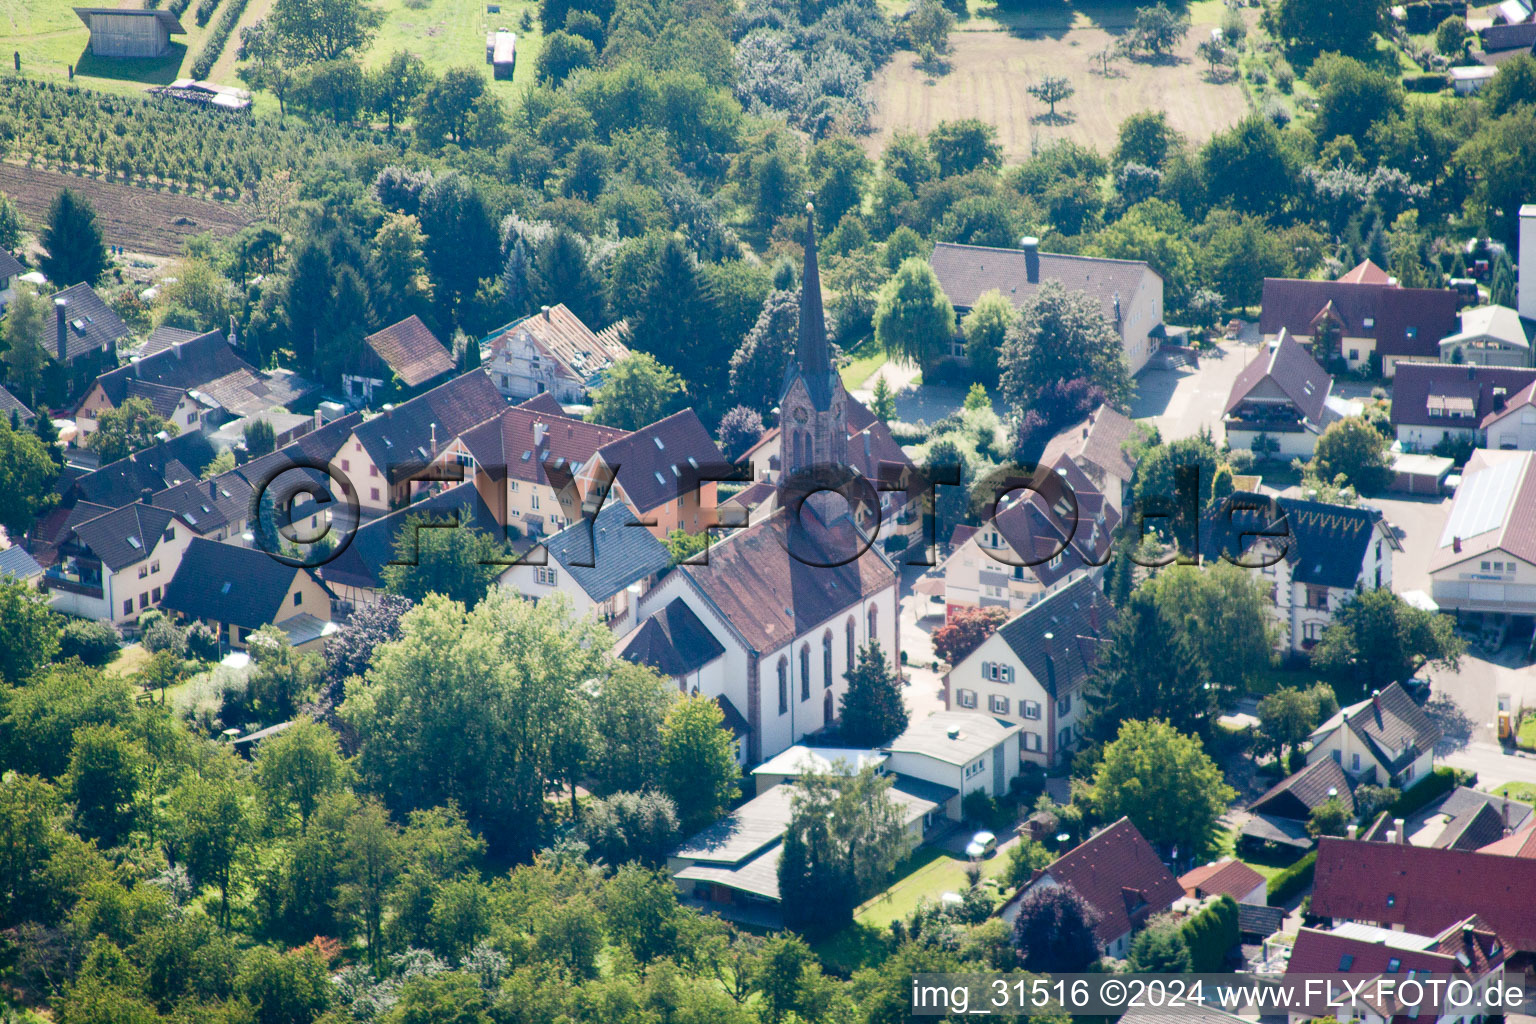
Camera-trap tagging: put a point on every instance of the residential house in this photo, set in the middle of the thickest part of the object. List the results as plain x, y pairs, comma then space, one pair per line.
1315, 556
355, 574
526, 461
85, 340
236, 590
164, 464
601, 565
113, 564
1226, 877
1466, 951
1463, 819
1048, 532
963, 751
1364, 324
397, 362
10, 405
1098, 446
791, 603
245, 393
10, 270
169, 380
1384, 740
552, 352
1489, 336
391, 450
1128, 292
1505, 42
217, 509
17, 564
1514, 426
1285, 397
1485, 561
1424, 890
1120, 876
1434, 402
1280, 814
666, 471
1034, 670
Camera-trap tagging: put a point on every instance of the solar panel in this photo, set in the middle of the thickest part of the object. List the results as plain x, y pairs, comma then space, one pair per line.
1482, 501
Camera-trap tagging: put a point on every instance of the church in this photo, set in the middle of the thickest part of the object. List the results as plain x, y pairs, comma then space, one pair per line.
772, 622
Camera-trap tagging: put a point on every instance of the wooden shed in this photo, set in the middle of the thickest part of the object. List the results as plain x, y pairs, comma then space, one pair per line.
121, 32
504, 55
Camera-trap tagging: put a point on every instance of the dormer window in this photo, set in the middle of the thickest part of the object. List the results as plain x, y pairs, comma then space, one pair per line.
1369, 322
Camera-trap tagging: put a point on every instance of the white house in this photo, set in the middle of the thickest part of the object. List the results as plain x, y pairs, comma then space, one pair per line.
1129, 292
1434, 402
116, 563
1034, 669
963, 751
1283, 395
1486, 558
1315, 556
1385, 740
1041, 540
790, 607
1513, 426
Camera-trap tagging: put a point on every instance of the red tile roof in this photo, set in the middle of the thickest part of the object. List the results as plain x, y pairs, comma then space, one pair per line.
1290, 368
1120, 876
1223, 878
1326, 952
1425, 889
1467, 388
662, 461
505, 445
1366, 273
412, 351
1045, 521
1521, 844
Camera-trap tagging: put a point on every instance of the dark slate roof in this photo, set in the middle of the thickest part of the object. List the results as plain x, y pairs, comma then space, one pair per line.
1386, 722
1284, 831
812, 362
661, 462
411, 351
10, 266
123, 537
773, 583
9, 402
1405, 321
966, 271
1077, 617
1256, 920
361, 563
247, 392
162, 398
1044, 521
229, 583
399, 439
1463, 799
209, 505
15, 563
1295, 796
177, 368
1467, 391
1327, 545
91, 324
1290, 368
1509, 37
1472, 829
673, 641
165, 464
1099, 440
163, 337
620, 551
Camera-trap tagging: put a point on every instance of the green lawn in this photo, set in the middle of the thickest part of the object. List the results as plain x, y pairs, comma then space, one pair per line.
1226, 846
927, 874
865, 358
128, 660
1522, 791
451, 33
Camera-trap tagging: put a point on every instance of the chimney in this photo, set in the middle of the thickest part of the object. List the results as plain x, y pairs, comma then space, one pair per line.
1402, 832
545, 311
434, 440
1504, 816
133, 366
145, 495
176, 346
1376, 701
1353, 832
1525, 301
1093, 616
1456, 545
213, 490
539, 430
319, 420
1050, 661
953, 732
61, 319
1117, 309
1500, 398
1031, 246
1468, 933
1391, 836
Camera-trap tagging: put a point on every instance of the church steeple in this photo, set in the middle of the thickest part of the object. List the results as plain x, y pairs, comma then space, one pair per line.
813, 418
811, 352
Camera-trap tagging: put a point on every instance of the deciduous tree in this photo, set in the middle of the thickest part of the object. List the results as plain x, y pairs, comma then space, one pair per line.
964, 632
1055, 930
27, 475
1165, 783
698, 761
635, 391
913, 318
1062, 335
1378, 638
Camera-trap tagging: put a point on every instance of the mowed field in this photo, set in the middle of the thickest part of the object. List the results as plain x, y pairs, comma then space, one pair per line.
993, 63
141, 220
451, 33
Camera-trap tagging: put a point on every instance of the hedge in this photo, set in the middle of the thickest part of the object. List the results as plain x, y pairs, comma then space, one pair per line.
1425, 81
213, 46
1210, 935
1284, 886
1439, 783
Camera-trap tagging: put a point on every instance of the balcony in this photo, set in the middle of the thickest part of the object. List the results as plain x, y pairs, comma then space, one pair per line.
74, 577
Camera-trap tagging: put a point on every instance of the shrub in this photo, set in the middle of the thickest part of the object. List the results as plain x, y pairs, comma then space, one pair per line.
164, 635
1211, 934
1439, 783
202, 642
1285, 75
978, 807
95, 643
1424, 81
1284, 886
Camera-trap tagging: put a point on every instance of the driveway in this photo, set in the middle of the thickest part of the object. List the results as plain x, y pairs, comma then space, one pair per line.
1418, 523
924, 690
1179, 402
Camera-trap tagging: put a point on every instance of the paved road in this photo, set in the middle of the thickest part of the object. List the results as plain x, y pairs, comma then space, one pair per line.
1493, 766
1180, 402
924, 691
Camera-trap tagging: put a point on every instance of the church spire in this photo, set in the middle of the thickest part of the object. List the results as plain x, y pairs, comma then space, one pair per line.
811, 350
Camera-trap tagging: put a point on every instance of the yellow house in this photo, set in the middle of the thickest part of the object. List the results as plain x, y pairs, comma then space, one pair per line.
237, 590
